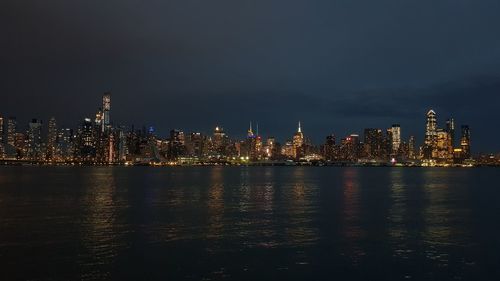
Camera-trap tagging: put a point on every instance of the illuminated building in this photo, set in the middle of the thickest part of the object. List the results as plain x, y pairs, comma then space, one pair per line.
35, 140
465, 142
276, 151
270, 148
176, 147
197, 145
65, 145
252, 145
111, 149
450, 129
349, 148
429, 149
11, 130
51, 139
98, 119
373, 144
258, 145
20, 145
288, 150
411, 148
86, 142
122, 146
329, 151
220, 142
444, 150
458, 156
298, 143
250, 131
106, 108
396, 138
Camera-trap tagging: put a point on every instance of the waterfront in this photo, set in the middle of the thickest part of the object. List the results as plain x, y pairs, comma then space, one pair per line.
249, 223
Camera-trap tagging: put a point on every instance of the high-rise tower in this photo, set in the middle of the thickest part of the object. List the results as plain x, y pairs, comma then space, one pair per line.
11, 131
396, 138
106, 108
51, 139
465, 141
430, 141
35, 139
250, 131
298, 142
431, 128
450, 129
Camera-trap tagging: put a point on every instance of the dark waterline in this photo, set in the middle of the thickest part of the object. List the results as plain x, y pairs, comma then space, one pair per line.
249, 223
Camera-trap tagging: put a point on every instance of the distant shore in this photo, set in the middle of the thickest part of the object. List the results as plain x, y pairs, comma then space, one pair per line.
237, 164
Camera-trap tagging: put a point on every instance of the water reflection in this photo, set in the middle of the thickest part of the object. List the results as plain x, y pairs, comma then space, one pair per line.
438, 232
249, 223
101, 233
351, 224
255, 195
398, 215
302, 207
215, 203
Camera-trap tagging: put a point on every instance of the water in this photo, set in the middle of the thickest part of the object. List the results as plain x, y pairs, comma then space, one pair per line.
249, 223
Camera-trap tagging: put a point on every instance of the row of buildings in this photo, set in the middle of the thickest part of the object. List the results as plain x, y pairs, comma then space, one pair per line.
97, 141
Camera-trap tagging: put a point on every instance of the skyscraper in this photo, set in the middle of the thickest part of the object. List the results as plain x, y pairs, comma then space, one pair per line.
176, 147
444, 150
198, 144
250, 131
349, 148
51, 139
373, 143
396, 138
465, 142
329, 148
270, 147
450, 129
430, 135
220, 141
35, 140
106, 108
431, 127
11, 131
65, 145
411, 147
298, 142
251, 145
86, 142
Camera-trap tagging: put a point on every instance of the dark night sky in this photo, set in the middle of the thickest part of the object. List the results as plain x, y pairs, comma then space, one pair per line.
338, 66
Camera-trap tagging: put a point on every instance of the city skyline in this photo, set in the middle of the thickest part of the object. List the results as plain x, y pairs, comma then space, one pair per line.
239, 131
99, 140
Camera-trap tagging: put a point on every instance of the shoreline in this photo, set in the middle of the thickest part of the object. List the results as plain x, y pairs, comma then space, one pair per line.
249, 164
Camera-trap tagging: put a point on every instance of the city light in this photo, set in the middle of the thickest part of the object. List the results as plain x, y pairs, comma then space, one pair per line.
99, 142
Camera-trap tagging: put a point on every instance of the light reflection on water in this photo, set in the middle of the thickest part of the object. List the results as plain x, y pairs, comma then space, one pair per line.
352, 228
398, 231
101, 232
215, 205
247, 223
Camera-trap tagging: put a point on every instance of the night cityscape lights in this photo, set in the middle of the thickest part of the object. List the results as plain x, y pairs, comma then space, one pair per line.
97, 142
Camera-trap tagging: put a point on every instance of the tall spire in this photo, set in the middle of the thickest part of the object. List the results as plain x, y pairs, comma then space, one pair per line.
257, 128
250, 131
299, 130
